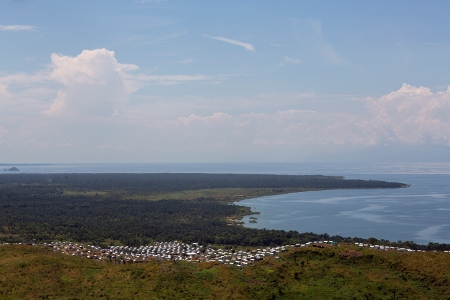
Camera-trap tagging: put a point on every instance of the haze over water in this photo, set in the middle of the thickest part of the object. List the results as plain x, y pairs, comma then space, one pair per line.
420, 213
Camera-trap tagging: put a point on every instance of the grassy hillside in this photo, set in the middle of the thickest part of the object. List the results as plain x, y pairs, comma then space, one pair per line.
343, 272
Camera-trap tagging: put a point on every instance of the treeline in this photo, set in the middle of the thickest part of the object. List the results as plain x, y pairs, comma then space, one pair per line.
36, 208
173, 182
131, 222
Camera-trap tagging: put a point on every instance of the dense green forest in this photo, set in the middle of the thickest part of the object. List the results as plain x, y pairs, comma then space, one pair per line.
172, 182
136, 209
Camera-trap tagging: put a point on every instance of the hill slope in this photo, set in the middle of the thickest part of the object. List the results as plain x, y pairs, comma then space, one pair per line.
344, 272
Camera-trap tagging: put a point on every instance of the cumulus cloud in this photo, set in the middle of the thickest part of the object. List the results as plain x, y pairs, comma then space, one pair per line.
246, 46
409, 116
95, 84
17, 28
412, 115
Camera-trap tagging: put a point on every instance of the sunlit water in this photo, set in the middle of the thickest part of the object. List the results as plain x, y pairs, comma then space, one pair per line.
420, 213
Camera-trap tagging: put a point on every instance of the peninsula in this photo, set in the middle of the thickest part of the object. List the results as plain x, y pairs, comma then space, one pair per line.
135, 209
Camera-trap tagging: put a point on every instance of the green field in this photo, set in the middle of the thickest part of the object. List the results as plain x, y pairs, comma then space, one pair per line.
218, 194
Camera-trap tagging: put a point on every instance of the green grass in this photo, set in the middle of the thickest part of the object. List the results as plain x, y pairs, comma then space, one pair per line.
219, 194
222, 194
28, 272
87, 193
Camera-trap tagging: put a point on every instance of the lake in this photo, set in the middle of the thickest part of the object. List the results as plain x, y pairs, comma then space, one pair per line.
420, 213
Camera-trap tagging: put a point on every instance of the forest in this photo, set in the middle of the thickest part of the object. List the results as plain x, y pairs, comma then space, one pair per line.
136, 209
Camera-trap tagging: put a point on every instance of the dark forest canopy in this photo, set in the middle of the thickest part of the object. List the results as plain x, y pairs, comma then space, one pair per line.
116, 208
170, 182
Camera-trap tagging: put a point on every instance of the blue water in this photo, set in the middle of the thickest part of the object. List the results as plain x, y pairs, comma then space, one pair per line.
420, 213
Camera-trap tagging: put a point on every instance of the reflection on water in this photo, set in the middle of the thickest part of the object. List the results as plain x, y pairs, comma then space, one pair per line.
420, 213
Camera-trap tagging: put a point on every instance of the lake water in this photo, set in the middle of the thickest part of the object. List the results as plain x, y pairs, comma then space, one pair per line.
420, 213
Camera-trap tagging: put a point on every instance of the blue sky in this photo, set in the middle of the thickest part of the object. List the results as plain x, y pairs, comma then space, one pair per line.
218, 81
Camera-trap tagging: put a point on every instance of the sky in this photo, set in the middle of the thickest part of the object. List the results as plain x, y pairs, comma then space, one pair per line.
224, 81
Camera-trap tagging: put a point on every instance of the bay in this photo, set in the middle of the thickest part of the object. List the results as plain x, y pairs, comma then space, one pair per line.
420, 213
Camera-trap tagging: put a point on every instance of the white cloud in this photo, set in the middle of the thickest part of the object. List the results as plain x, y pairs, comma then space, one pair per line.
17, 28
90, 67
246, 46
412, 115
95, 84
409, 116
90, 84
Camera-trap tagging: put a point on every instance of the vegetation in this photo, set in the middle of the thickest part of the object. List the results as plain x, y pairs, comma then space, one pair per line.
162, 183
116, 208
136, 209
342, 272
